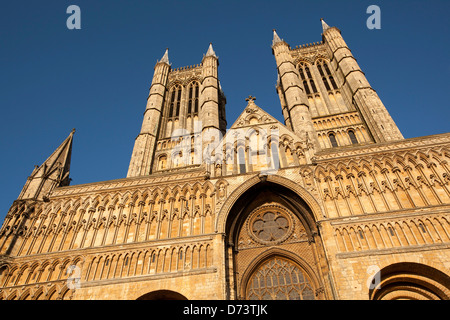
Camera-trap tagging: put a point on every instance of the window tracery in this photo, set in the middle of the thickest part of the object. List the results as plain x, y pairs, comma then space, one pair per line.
308, 82
175, 102
327, 77
270, 224
193, 98
279, 279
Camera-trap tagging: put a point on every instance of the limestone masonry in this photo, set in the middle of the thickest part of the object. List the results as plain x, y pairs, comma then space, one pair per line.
332, 204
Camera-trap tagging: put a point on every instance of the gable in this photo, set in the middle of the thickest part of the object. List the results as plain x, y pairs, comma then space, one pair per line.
255, 120
249, 144
253, 115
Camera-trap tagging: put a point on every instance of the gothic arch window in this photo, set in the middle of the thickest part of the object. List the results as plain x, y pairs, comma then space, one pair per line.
333, 83
279, 278
191, 95
193, 98
326, 75
332, 138
196, 99
313, 86
175, 102
305, 85
308, 82
352, 136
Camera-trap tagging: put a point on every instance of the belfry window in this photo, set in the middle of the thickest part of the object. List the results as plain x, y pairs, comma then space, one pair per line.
333, 83
305, 85
172, 103
326, 75
193, 98
190, 100
333, 140
175, 102
196, 99
308, 82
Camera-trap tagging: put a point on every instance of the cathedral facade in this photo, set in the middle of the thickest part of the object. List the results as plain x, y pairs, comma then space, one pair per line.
333, 203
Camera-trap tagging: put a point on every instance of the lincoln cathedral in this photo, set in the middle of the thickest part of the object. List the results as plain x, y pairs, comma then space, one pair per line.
332, 204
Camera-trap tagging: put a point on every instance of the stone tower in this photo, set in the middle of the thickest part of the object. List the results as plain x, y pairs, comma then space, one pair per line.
332, 204
185, 106
320, 85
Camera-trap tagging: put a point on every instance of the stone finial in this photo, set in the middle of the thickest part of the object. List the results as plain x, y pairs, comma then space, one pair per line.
325, 27
210, 52
276, 38
165, 57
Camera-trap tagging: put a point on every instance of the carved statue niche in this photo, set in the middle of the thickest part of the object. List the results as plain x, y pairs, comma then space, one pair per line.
218, 170
308, 179
221, 191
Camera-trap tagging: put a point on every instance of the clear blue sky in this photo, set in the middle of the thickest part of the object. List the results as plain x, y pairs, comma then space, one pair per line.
96, 79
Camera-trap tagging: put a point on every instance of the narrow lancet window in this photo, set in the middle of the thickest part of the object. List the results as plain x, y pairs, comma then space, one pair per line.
175, 102
333, 140
352, 136
327, 77
308, 82
193, 98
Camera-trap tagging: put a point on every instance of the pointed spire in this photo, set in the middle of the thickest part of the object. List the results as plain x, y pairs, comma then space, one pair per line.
210, 51
165, 57
325, 27
54, 172
276, 38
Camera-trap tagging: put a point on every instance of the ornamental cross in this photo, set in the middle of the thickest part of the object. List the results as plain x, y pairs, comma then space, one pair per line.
250, 99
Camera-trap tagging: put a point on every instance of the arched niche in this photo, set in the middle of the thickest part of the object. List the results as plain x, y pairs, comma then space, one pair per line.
409, 281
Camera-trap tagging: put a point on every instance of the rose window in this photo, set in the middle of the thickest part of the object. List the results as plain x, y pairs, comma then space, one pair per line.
270, 225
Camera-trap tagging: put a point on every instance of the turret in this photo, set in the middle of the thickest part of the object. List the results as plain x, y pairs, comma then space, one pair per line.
144, 146
209, 98
375, 114
297, 112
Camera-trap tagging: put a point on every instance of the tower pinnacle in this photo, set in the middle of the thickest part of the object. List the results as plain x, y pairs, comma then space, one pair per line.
165, 57
276, 38
325, 27
210, 51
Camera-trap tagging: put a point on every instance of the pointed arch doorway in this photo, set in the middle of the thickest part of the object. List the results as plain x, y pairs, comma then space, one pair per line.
274, 250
